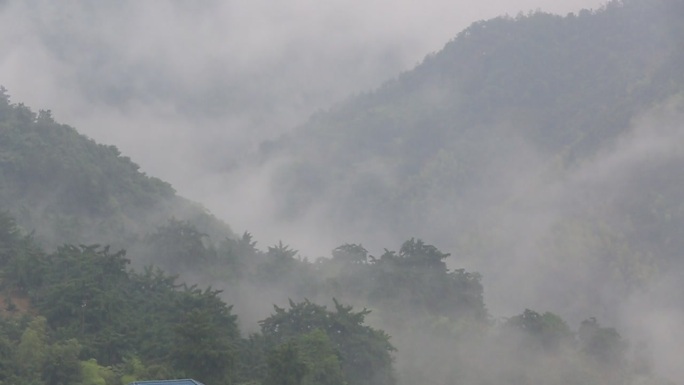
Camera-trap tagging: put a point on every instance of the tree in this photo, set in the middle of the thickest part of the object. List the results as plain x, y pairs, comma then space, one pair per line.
236, 256
285, 366
546, 330
364, 353
179, 246
10, 237
279, 264
33, 351
86, 296
351, 253
417, 276
417, 254
63, 366
605, 345
205, 337
21, 259
320, 358
94, 374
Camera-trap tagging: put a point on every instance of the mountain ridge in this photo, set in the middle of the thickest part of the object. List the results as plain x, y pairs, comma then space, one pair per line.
67, 188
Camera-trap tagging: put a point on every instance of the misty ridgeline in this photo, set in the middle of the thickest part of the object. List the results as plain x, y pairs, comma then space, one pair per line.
543, 152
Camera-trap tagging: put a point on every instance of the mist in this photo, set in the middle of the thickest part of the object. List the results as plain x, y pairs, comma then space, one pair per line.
191, 91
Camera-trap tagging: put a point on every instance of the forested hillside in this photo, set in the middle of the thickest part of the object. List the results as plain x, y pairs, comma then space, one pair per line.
67, 188
559, 89
549, 143
543, 151
79, 314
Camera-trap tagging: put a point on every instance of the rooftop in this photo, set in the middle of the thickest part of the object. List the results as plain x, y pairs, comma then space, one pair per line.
167, 382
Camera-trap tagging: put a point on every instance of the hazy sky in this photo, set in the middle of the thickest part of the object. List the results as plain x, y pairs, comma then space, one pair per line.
188, 88
145, 60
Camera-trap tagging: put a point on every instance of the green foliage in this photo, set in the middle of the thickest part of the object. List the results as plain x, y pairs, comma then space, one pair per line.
179, 246
33, 351
94, 374
70, 189
350, 253
285, 367
601, 344
252, 363
416, 253
63, 366
320, 358
85, 296
10, 237
547, 330
138, 326
512, 110
132, 370
95, 308
443, 135
418, 276
19, 256
205, 338
236, 257
364, 352
279, 265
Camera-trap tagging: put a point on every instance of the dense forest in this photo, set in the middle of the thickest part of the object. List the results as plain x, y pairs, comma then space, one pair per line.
549, 143
544, 150
79, 314
67, 188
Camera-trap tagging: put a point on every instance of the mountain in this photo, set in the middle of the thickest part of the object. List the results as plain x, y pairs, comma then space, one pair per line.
68, 189
565, 86
543, 150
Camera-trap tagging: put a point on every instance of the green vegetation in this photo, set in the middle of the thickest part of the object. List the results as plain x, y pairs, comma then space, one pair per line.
80, 316
560, 90
550, 139
77, 312
67, 188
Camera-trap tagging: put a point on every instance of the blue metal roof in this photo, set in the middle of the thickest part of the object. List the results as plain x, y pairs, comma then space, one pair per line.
186, 381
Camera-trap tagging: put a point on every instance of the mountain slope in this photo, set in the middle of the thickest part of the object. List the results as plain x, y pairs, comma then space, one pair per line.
542, 142
69, 189
566, 86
